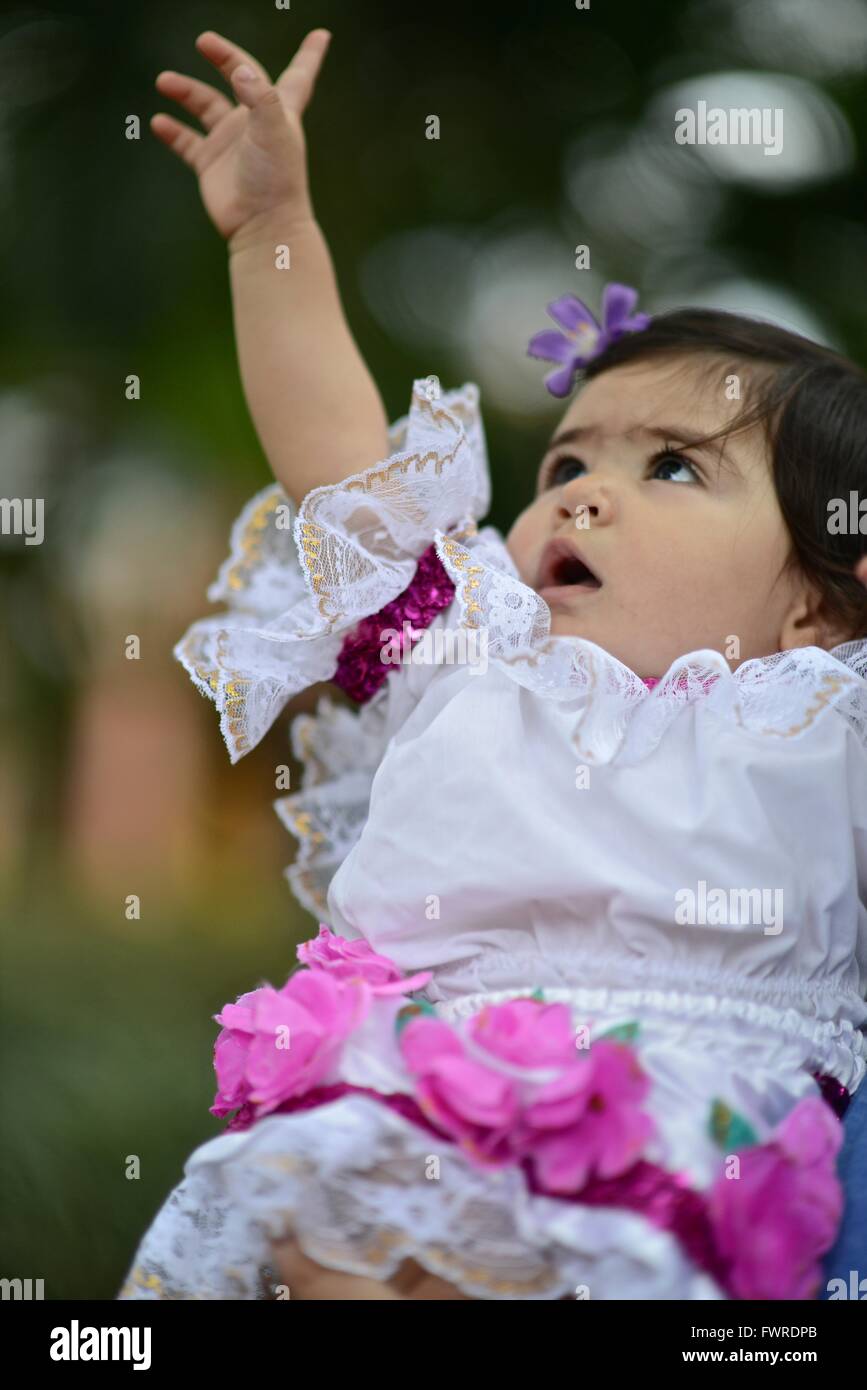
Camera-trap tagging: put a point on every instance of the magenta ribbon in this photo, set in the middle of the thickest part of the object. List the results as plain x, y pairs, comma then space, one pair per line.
360, 668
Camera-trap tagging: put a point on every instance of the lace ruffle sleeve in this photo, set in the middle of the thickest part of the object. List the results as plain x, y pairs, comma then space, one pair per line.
299, 578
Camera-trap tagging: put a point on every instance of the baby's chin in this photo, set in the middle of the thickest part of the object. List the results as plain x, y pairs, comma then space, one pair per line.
571, 625
572, 609
628, 653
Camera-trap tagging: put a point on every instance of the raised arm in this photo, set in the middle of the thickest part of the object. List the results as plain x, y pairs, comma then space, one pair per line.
315, 406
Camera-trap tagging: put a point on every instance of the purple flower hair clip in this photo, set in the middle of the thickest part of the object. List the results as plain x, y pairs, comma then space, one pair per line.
584, 337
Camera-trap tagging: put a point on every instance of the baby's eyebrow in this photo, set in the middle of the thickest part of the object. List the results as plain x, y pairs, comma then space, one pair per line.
670, 433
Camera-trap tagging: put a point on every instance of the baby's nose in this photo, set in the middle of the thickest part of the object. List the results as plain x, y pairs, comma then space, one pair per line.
588, 499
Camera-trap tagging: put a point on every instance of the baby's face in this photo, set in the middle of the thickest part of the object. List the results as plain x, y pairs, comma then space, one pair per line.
686, 553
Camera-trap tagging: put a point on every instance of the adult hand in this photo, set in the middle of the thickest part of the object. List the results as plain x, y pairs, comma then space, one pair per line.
305, 1279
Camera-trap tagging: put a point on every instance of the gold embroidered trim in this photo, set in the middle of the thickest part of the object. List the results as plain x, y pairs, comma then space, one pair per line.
302, 824
460, 558
576, 737
303, 879
238, 577
139, 1278
528, 657
311, 540
831, 685
305, 733
301, 874
234, 689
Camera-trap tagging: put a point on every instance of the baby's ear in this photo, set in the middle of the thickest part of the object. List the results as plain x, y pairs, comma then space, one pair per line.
811, 622
833, 631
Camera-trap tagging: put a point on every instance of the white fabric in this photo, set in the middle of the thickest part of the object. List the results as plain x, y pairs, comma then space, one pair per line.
448, 824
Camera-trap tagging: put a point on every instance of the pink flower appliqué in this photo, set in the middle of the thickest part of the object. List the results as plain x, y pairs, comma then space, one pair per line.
776, 1220
276, 1044
589, 1121
357, 961
512, 1086
473, 1104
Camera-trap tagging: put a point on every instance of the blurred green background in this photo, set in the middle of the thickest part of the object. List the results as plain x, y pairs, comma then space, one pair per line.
556, 130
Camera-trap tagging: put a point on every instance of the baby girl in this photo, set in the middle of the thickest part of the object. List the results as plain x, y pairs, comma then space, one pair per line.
587, 997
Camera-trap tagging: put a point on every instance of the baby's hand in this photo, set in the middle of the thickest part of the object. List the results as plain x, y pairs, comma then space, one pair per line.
252, 162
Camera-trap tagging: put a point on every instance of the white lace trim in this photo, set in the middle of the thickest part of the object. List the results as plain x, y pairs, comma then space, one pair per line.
352, 1179
339, 751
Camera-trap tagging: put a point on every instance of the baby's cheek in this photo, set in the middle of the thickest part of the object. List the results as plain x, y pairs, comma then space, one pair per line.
523, 543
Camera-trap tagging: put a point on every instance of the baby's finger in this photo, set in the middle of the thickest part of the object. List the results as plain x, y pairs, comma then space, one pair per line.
204, 102
267, 113
227, 56
184, 142
297, 81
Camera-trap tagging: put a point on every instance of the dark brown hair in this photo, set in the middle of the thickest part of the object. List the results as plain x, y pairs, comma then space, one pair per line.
812, 403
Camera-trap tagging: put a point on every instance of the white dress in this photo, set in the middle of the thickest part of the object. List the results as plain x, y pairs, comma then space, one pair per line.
543, 825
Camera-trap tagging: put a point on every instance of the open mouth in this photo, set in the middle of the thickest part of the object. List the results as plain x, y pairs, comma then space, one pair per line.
563, 568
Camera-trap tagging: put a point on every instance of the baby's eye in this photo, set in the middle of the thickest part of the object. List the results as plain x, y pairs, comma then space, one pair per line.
674, 463
555, 472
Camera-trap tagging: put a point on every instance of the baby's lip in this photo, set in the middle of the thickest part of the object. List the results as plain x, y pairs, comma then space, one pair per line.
562, 564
